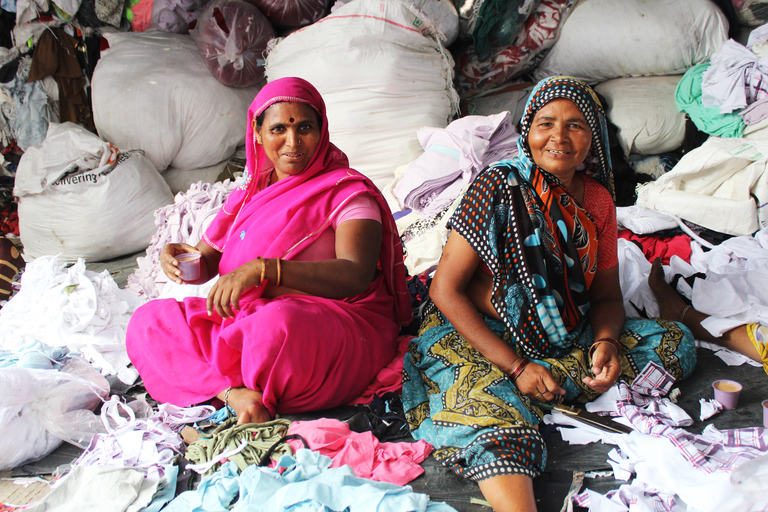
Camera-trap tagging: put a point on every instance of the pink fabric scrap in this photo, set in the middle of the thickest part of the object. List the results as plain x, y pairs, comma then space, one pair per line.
390, 378
396, 463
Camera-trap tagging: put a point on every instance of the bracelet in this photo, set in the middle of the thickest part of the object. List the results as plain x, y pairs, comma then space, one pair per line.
519, 369
682, 315
226, 398
263, 269
279, 272
614, 343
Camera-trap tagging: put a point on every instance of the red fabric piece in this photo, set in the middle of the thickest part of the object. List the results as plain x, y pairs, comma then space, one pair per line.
396, 463
663, 247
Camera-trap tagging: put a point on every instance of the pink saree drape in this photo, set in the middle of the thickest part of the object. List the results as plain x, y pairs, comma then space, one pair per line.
304, 352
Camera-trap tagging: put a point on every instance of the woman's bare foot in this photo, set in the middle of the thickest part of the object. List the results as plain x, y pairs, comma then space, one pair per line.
671, 303
247, 404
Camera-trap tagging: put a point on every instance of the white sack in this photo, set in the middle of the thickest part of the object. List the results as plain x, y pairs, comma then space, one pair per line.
81, 198
41, 408
442, 12
605, 39
380, 77
153, 91
718, 185
644, 111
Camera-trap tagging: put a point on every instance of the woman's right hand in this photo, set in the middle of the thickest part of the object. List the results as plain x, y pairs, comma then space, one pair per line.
170, 264
537, 382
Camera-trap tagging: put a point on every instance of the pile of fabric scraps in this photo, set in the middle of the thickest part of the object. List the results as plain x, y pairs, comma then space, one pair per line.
132, 465
305, 480
184, 221
244, 445
673, 469
397, 463
71, 307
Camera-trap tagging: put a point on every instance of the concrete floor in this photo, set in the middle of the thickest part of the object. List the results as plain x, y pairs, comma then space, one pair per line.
565, 461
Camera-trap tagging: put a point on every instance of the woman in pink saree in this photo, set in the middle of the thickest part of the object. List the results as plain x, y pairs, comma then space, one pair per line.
311, 293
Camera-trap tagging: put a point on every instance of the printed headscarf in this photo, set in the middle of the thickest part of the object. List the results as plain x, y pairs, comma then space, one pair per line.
586, 100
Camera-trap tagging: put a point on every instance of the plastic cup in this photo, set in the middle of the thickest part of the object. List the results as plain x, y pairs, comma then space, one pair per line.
727, 393
189, 264
765, 413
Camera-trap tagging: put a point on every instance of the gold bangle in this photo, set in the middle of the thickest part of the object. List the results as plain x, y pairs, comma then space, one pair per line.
682, 315
279, 273
263, 269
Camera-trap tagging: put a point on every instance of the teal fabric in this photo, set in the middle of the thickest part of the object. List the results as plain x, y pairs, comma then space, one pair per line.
480, 423
707, 119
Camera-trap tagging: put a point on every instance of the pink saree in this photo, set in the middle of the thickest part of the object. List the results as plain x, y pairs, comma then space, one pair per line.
304, 352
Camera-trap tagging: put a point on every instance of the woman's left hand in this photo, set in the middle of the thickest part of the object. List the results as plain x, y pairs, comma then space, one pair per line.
605, 366
224, 297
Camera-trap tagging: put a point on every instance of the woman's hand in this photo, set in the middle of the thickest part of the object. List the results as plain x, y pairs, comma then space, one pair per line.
224, 297
605, 366
537, 382
170, 264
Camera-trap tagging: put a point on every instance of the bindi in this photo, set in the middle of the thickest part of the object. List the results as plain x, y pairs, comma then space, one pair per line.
291, 119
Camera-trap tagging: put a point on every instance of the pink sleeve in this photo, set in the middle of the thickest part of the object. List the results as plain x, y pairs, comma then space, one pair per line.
363, 206
598, 202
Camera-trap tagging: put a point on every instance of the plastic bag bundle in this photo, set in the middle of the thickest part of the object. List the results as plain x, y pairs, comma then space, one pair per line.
81, 197
292, 13
152, 91
232, 36
380, 76
41, 408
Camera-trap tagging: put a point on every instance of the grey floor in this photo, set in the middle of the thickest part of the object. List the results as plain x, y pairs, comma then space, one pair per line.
564, 461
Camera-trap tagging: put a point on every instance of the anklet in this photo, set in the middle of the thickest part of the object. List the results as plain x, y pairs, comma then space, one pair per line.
682, 315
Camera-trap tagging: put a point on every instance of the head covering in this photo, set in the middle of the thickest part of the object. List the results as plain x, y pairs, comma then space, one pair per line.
294, 90
586, 100
282, 219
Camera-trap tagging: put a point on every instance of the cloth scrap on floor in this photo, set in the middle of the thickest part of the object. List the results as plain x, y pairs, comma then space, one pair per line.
73, 307
258, 438
397, 463
120, 489
139, 438
303, 482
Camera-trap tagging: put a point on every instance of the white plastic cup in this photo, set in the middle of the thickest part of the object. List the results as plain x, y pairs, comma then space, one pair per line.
727, 393
189, 265
765, 413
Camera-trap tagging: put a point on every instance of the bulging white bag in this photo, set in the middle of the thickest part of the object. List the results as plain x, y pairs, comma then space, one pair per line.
41, 408
79, 196
643, 109
382, 74
605, 39
153, 91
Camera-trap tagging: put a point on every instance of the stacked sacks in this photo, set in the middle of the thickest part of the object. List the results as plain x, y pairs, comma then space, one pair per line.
381, 77
232, 36
152, 91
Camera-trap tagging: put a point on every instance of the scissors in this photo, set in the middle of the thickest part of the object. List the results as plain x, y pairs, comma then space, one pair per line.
595, 420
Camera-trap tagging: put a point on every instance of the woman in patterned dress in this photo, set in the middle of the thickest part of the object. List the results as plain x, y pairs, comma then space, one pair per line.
526, 305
